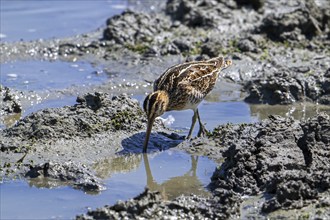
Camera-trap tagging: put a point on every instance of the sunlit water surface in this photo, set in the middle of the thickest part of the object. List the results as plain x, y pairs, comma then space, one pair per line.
173, 173
44, 75
34, 19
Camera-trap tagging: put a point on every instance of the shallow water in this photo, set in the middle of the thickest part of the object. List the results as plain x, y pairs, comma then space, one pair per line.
45, 75
33, 19
172, 172
212, 114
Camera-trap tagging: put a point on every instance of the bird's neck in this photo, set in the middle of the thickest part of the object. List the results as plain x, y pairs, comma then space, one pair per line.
163, 96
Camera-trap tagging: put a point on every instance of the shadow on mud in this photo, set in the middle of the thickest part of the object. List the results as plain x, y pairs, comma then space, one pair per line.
159, 141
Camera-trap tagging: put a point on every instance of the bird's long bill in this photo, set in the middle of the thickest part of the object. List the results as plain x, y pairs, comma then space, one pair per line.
148, 132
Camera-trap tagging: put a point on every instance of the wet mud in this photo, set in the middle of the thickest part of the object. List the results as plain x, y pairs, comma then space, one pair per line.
276, 157
282, 161
98, 126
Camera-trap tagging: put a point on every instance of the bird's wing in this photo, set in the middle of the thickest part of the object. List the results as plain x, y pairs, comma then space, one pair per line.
168, 77
195, 73
200, 77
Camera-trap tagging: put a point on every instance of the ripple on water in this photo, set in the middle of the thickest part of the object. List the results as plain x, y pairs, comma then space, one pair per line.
36, 19
43, 75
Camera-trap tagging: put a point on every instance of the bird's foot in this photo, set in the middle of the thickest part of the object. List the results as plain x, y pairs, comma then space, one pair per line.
202, 131
188, 137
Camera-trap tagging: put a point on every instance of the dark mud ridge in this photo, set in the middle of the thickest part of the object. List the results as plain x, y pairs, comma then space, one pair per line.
284, 160
287, 86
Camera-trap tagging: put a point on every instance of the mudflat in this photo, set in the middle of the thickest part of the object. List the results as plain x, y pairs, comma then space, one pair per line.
277, 167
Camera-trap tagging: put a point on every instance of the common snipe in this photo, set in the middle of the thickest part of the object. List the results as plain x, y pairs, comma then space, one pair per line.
181, 87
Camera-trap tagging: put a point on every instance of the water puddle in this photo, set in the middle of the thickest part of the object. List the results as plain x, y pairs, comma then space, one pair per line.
299, 111
212, 115
44, 75
34, 103
43, 84
171, 172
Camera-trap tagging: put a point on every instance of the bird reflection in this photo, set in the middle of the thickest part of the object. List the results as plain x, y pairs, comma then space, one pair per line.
180, 185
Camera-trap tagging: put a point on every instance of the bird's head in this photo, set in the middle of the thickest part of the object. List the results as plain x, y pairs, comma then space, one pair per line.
155, 104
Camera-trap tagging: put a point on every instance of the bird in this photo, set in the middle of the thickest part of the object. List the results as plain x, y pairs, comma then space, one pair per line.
180, 87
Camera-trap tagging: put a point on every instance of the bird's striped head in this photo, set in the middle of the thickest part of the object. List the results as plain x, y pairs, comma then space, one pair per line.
155, 104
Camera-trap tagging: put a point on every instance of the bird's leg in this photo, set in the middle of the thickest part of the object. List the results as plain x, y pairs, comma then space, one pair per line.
202, 130
193, 121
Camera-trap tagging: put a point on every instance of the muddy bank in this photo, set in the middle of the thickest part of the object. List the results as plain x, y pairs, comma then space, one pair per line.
289, 65
287, 86
284, 160
151, 205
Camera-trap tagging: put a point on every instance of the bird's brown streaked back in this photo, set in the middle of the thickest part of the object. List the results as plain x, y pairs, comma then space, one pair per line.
153, 103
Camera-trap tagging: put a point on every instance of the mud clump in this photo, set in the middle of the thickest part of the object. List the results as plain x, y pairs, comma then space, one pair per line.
77, 175
304, 22
93, 114
191, 14
206, 14
92, 129
150, 205
278, 157
9, 101
256, 4
315, 143
287, 86
134, 28
148, 34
